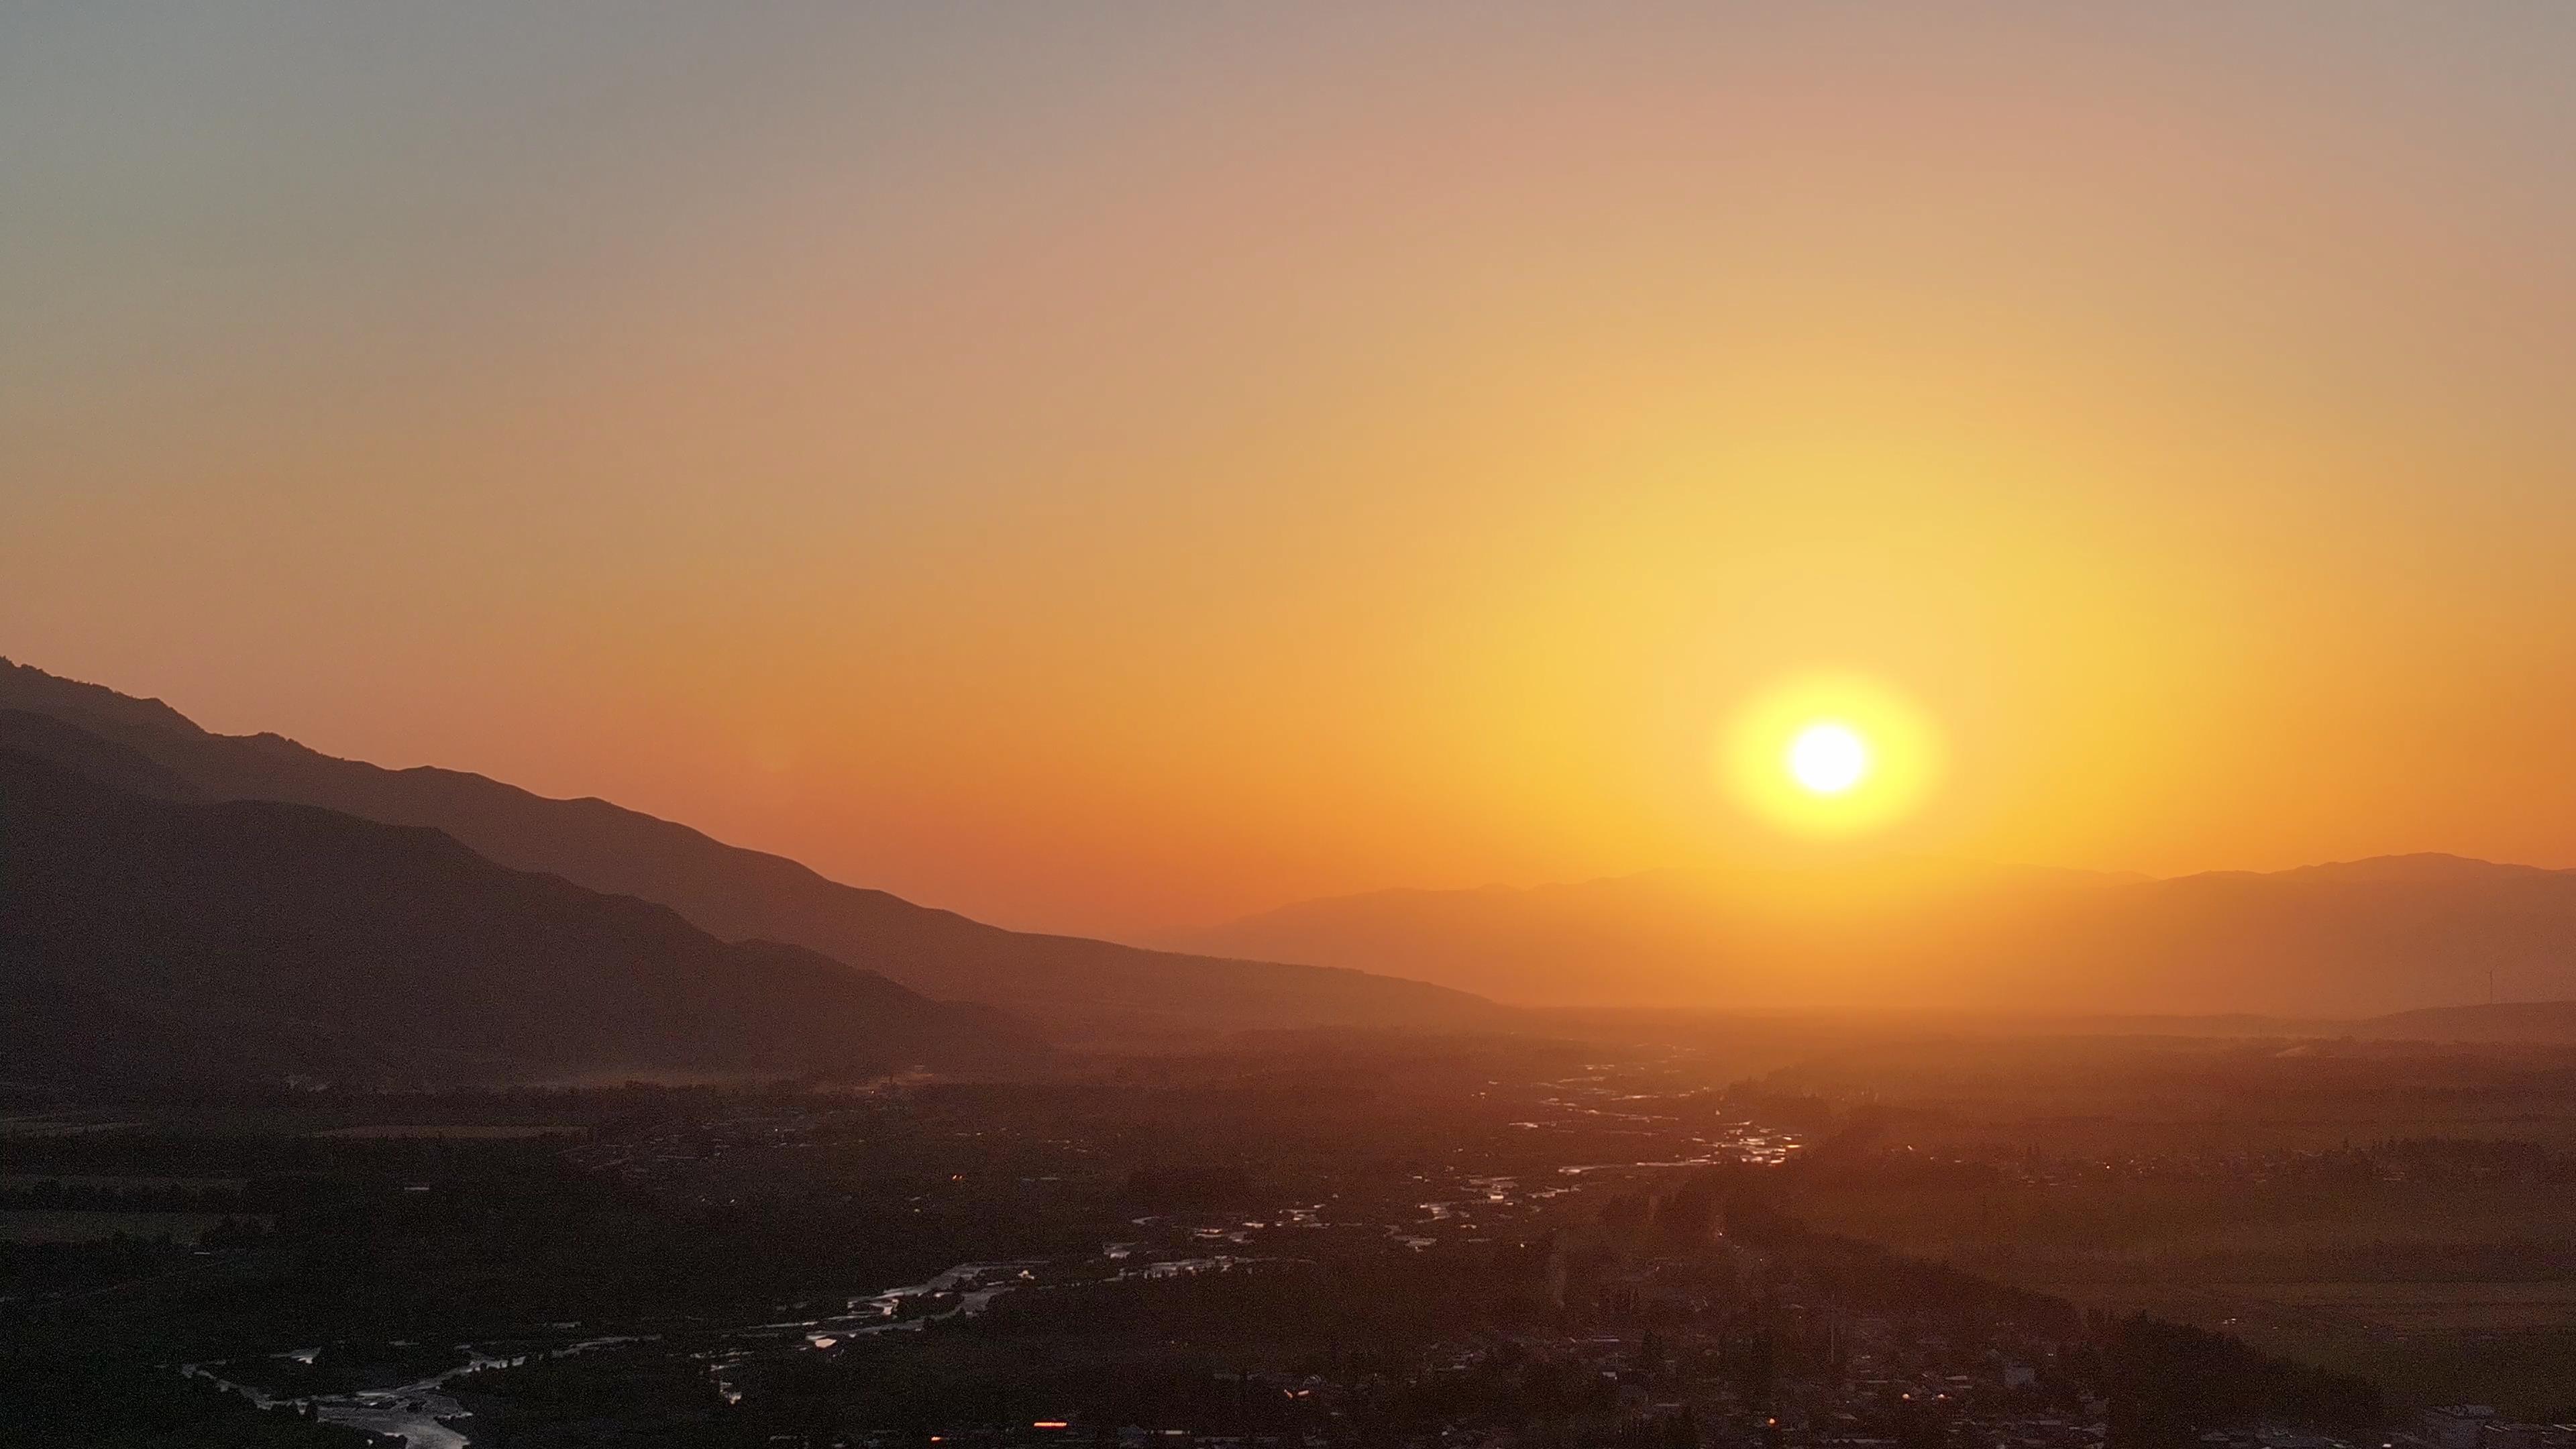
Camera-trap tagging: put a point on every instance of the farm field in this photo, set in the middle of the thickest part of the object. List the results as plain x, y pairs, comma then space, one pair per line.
2512, 1344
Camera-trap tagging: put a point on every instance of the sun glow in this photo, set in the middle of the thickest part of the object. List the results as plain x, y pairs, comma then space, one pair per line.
1830, 754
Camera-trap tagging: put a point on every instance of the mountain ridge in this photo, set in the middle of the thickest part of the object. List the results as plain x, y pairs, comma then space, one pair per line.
739, 894
152, 937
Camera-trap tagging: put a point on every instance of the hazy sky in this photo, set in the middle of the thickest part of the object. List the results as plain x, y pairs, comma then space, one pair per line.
1105, 467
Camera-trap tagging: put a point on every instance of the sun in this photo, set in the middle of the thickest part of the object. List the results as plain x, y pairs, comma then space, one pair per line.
1828, 758
1829, 754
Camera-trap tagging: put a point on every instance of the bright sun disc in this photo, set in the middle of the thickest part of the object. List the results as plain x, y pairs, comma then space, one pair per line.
1829, 754
1828, 758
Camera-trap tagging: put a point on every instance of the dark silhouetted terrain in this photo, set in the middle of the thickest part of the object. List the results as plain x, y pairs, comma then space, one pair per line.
738, 894
150, 939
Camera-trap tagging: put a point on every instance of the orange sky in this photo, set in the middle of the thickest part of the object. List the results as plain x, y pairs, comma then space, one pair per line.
1106, 469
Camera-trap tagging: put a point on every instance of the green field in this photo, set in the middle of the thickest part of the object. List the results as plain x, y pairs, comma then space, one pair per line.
2510, 1344
2218, 1229
2437, 1292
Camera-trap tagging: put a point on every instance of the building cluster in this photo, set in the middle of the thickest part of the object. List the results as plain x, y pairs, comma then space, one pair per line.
2479, 1426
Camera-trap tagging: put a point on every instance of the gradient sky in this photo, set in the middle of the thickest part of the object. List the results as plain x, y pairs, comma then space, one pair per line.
1113, 467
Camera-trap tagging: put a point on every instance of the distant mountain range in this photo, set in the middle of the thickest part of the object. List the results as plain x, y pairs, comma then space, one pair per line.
731, 894
2344, 941
160, 902
2551, 1023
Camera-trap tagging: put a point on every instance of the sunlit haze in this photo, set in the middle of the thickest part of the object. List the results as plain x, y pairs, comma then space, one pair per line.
1116, 469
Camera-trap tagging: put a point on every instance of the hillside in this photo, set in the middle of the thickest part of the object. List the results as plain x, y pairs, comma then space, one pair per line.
739, 894
145, 938
2526, 1023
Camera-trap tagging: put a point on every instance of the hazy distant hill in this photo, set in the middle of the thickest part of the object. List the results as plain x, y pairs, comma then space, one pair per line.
2331, 941
2524, 1022
739, 894
144, 937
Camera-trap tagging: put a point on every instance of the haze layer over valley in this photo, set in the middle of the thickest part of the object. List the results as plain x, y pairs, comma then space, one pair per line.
2337, 941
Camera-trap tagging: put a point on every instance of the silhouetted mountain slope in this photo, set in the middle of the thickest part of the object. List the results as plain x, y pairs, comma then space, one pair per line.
739, 894
83, 753
2338, 941
162, 937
